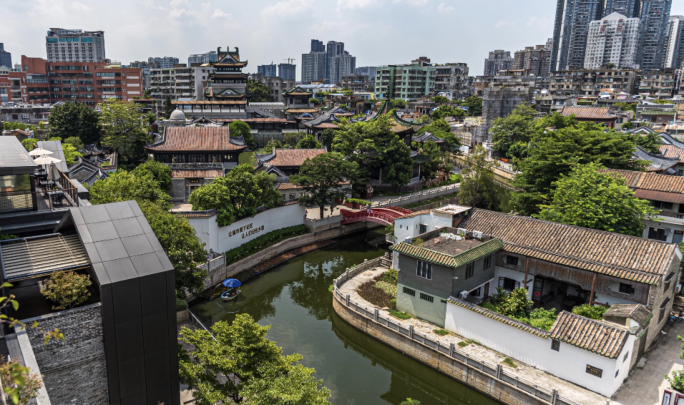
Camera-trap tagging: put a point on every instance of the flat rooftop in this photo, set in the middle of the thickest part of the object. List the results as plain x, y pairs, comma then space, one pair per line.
14, 159
452, 209
449, 246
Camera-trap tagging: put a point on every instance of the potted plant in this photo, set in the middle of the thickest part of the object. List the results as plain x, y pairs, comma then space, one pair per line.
67, 289
348, 203
356, 204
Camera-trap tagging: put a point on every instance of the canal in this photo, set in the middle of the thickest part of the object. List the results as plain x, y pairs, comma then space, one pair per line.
294, 300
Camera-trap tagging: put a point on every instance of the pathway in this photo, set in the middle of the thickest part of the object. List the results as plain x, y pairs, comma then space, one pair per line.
645, 386
523, 371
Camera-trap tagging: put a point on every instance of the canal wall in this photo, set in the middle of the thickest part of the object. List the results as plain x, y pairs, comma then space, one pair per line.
490, 379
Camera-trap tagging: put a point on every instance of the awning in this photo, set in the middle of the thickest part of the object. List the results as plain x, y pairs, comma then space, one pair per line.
31, 257
659, 196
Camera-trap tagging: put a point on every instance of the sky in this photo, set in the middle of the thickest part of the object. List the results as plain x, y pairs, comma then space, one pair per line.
377, 32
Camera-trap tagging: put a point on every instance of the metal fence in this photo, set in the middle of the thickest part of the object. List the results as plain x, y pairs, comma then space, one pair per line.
493, 370
417, 196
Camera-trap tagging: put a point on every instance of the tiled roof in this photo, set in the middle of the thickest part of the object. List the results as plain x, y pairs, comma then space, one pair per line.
589, 334
632, 178
289, 157
613, 254
651, 181
444, 259
300, 110
205, 139
208, 102
499, 317
672, 152
657, 163
637, 312
326, 125
588, 112
287, 186
657, 112
427, 136
196, 174
257, 120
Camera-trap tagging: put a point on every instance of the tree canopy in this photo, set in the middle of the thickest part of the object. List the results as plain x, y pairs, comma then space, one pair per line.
260, 373
373, 146
444, 111
440, 100
237, 195
650, 142
258, 92
588, 198
474, 105
125, 186
327, 138
168, 107
240, 128
397, 104
478, 188
323, 179
308, 142
160, 172
74, 119
551, 154
125, 129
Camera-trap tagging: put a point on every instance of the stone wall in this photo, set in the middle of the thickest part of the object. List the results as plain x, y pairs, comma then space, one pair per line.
74, 369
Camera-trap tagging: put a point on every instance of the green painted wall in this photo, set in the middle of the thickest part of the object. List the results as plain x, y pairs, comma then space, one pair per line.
434, 312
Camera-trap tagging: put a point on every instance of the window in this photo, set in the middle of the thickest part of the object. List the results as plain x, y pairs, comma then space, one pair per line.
476, 292
625, 358
470, 269
512, 260
410, 291
616, 373
657, 234
488, 262
426, 297
555, 345
508, 284
424, 270
662, 204
626, 288
663, 306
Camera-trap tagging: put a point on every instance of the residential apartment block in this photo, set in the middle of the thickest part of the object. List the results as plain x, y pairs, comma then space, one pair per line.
592, 82
674, 48
452, 78
571, 30
655, 17
498, 60
629, 8
613, 40
313, 66
179, 81
288, 71
329, 63
166, 62
406, 82
658, 83
276, 85
75, 45
267, 70
211, 56
534, 60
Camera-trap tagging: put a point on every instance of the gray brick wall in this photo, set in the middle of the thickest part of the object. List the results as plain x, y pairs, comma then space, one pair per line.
74, 369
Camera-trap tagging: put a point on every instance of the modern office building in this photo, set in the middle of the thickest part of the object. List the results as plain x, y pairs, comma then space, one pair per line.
613, 40
317, 46
208, 57
287, 71
655, 17
267, 70
674, 47
628, 8
313, 66
75, 45
497, 60
534, 60
571, 30
5, 57
166, 62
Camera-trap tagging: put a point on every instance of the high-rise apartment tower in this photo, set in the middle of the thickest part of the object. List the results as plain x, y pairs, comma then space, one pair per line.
75, 45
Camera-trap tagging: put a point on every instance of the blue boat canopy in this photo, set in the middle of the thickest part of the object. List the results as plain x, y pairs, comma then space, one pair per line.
231, 282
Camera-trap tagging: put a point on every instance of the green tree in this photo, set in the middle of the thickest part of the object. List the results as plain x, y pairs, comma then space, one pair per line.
273, 144
258, 92
70, 153
67, 289
168, 107
627, 106
125, 186
240, 128
314, 101
20, 384
649, 142
291, 138
308, 142
29, 143
75, 142
676, 379
514, 129
627, 125
588, 198
160, 173
590, 311
75, 119
397, 104
327, 138
474, 105
237, 195
437, 159
551, 153
324, 178
373, 146
260, 374
444, 111
440, 100
478, 188
125, 129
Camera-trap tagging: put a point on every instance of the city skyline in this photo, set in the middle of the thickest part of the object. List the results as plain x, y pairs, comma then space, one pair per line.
196, 27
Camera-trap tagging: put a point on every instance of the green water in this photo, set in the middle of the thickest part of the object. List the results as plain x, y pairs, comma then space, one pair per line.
294, 299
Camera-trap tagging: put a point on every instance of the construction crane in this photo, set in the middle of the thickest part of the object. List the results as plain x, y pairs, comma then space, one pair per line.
290, 60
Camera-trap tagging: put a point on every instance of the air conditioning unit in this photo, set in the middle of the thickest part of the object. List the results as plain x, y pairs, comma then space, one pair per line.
463, 295
461, 231
478, 234
408, 240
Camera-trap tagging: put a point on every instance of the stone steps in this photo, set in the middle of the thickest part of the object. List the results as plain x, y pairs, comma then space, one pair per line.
386, 263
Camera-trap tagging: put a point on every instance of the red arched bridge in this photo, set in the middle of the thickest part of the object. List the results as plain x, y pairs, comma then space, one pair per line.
381, 215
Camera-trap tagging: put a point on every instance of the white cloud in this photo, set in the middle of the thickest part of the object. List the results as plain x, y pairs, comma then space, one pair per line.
353, 4
177, 13
176, 3
444, 8
543, 24
219, 14
413, 2
503, 23
80, 6
288, 7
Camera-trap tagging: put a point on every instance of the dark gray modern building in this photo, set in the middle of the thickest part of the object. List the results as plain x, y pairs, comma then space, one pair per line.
655, 16
317, 46
287, 71
628, 8
571, 31
5, 57
267, 70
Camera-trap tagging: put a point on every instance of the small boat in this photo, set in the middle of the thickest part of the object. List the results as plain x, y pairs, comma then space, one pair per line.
231, 294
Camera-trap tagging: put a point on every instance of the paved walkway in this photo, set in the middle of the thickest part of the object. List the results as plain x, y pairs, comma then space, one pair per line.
523, 371
645, 386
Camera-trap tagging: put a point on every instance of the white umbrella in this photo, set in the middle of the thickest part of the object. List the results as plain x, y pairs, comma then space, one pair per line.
46, 160
40, 152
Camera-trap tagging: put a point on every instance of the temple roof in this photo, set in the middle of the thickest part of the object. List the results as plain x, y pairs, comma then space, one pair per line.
208, 139
297, 91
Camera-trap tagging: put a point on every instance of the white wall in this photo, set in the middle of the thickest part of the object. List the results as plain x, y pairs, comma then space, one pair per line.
513, 274
568, 363
222, 239
410, 227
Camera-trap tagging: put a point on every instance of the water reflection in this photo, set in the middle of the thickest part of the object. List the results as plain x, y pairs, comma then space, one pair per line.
359, 370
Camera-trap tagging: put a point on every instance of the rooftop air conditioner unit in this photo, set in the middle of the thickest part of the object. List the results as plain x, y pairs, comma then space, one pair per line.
478, 234
463, 295
408, 240
461, 231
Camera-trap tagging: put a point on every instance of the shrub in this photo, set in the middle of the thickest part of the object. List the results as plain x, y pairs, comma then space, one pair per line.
374, 295
388, 288
331, 288
465, 343
417, 242
390, 276
399, 314
590, 311
264, 241
441, 332
543, 319
181, 305
67, 289
357, 201
509, 362
19, 381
